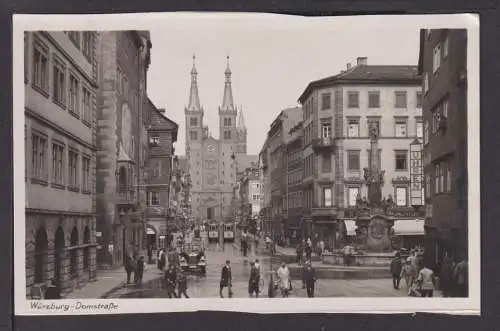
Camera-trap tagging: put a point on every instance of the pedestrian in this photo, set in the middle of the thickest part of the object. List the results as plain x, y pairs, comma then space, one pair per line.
300, 252
446, 277
308, 249
253, 281
182, 284
129, 267
321, 247
427, 281
139, 270
52, 292
284, 280
396, 270
226, 279
461, 276
310, 279
170, 281
150, 254
407, 274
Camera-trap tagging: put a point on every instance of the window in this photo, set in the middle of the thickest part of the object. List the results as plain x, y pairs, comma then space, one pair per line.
445, 47
445, 108
74, 36
448, 178
327, 164
57, 163
59, 83
86, 105
73, 95
352, 99
419, 131
327, 197
38, 158
154, 198
401, 129
326, 101
41, 67
374, 123
87, 45
436, 58
352, 196
326, 130
437, 180
419, 99
86, 174
353, 161
400, 101
227, 121
353, 128
426, 132
374, 99
193, 135
155, 140
401, 158
401, 195
426, 83
427, 185
73, 168
193, 121
227, 134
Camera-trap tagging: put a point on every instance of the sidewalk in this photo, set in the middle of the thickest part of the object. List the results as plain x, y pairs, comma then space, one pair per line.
109, 281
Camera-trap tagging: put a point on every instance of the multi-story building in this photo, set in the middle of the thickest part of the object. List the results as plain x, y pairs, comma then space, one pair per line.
278, 137
60, 75
294, 168
251, 194
443, 65
162, 134
122, 144
265, 186
338, 113
213, 164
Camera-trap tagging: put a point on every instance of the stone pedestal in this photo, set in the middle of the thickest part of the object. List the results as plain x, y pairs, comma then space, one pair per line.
374, 231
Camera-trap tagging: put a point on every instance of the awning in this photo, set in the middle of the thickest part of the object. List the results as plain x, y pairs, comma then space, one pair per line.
150, 231
351, 227
409, 227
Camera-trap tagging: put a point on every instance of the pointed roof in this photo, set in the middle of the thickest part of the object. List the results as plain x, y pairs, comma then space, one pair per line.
227, 101
194, 98
122, 155
241, 120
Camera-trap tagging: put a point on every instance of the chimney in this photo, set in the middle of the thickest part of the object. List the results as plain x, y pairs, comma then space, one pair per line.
362, 61
161, 110
348, 66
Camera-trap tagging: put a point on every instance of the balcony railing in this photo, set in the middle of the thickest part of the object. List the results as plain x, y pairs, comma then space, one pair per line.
321, 210
126, 197
323, 144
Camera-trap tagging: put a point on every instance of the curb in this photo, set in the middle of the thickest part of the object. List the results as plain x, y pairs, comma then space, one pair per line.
113, 290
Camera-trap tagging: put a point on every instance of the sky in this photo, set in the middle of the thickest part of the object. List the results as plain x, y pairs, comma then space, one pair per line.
271, 64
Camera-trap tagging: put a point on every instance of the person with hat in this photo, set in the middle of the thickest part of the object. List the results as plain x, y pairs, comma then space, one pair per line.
226, 279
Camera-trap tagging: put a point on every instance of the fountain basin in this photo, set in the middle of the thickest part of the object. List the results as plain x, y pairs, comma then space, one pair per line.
360, 259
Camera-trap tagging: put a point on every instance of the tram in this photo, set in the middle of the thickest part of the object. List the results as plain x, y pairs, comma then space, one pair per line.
229, 231
213, 232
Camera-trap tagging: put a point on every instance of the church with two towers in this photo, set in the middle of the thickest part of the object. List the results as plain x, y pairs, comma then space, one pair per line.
214, 165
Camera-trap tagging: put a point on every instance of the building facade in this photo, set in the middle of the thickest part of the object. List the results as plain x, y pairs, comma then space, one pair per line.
251, 196
338, 113
265, 186
443, 65
294, 171
60, 75
162, 134
213, 164
122, 144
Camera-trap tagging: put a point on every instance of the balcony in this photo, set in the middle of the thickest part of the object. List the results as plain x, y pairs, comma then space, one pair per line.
323, 145
126, 198
323, 211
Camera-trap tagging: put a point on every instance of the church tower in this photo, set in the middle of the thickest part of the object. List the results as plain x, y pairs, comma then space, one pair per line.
194, 129
227, 112
241, 146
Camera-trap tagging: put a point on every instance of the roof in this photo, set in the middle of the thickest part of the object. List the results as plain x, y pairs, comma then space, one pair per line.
368, 74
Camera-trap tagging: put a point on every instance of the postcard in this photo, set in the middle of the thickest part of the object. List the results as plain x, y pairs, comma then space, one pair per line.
246, 162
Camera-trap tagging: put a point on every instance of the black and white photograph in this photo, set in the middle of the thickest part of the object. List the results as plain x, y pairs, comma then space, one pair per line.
246, 162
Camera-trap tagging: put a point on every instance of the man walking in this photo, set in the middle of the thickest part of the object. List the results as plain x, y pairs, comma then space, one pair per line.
310, 279
226, 279
253, 282
129, 267
396, 271
170, 281
182, 284
139, 271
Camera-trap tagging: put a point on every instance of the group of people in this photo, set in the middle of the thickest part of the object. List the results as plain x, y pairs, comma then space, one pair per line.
306, 246
421, 280
136, 267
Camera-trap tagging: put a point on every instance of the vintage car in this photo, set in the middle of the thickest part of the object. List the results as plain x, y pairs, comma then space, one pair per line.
192, 257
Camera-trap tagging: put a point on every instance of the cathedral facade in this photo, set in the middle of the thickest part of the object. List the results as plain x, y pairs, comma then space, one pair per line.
214, 164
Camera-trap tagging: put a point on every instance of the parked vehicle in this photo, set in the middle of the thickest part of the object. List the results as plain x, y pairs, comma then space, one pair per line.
192, 257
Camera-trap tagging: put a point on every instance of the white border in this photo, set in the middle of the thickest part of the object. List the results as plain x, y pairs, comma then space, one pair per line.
470, 22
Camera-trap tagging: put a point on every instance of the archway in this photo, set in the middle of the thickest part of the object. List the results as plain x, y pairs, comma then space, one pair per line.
74, 253
59, 249
86, 249
151, 242
41, 246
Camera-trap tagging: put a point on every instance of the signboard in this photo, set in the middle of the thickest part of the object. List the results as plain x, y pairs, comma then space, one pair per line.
416, 174
98, 234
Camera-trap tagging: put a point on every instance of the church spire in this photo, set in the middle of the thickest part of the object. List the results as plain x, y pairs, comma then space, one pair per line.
241, 121
194, 98
227, 101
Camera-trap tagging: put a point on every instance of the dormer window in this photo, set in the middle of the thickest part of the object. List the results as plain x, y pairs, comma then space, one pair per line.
154, 140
